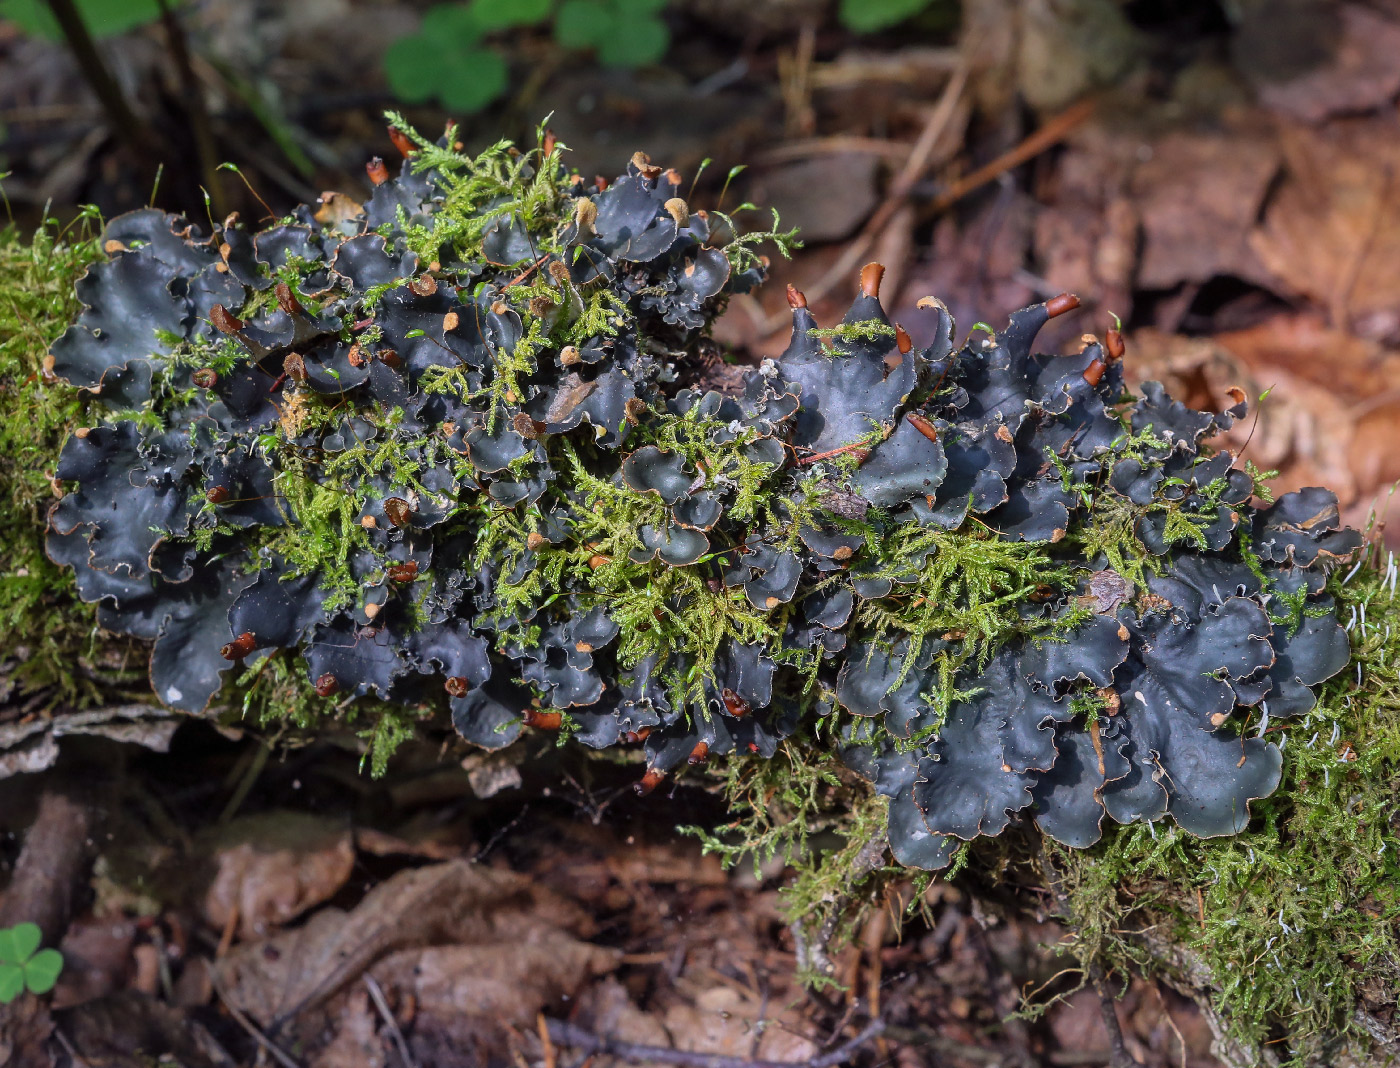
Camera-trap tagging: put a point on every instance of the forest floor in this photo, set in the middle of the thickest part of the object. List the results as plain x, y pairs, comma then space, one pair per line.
1229, 189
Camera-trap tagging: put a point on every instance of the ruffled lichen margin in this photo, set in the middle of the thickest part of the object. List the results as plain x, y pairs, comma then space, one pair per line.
1076, 550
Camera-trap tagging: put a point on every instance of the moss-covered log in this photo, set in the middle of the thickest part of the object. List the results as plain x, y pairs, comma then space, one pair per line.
436, 454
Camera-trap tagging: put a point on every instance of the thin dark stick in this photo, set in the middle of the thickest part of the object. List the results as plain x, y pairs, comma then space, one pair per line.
124, 122
194, 106
567, 1034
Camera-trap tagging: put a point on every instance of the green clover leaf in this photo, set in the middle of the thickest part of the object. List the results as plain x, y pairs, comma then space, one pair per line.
11, 982
506, 14
624, 33
41, 971
22, 967
868, 16
447, 60
18, 943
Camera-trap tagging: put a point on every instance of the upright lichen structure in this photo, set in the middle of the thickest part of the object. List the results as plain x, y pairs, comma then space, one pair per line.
436, 445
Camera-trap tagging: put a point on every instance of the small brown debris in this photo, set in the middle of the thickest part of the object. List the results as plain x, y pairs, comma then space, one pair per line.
456, 686
1107, 591
397, 510
633, 408
1097, 742
205, 378
535, 541
425, 285
527, 428
356, 355
388, 357
294, 367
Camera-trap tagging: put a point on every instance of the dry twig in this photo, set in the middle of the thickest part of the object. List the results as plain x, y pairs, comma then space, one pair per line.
899, 192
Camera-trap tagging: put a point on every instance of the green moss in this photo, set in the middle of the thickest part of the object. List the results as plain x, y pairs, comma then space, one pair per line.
41, 620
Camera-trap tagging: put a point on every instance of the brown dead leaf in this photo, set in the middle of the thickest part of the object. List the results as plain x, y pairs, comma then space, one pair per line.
130, 1030
608, 1010
826, 196
1363, 73
1303, 345
96, 959
499, 983
1375, 448
1332, 230
412, 840
273, 866
664, 863
724, 1020
25, 1027
1197, 195
1086, 227
336, 208
456, 902
357, 1042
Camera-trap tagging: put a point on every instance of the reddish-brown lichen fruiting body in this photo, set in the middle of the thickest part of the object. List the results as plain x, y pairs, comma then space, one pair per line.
239, 647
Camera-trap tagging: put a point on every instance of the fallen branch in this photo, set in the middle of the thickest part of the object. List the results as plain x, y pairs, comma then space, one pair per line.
567, 1034
52, 866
